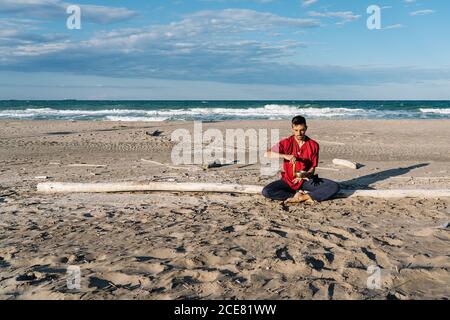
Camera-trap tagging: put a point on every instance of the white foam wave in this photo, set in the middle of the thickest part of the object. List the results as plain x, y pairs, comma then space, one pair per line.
269, 111
56, 112
272, 111
437, 111
120, 118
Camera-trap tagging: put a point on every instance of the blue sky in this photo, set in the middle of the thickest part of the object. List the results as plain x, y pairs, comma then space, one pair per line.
225, 49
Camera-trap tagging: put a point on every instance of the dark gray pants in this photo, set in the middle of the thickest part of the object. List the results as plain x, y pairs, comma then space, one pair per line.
280, 190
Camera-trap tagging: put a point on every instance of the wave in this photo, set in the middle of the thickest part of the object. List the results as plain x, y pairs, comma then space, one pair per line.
62, 112
271, 111
200, 112
436, 111
119, 118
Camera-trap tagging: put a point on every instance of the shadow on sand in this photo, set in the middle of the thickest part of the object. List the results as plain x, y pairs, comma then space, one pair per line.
364, 182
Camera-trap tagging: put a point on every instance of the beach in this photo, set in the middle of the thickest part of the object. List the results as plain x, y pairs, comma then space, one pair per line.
174, 245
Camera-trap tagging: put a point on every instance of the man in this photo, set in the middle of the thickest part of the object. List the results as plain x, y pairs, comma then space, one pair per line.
302, 152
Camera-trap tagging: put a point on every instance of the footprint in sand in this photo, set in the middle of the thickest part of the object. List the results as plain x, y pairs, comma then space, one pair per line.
208, 276
163, 253
125, 280
440, 261
154, 268
202, 275
212, 260
426, 232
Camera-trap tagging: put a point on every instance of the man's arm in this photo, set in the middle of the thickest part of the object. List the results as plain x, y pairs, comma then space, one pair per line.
271, 154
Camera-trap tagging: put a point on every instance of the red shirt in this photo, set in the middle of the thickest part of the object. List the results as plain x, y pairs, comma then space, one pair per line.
307, 157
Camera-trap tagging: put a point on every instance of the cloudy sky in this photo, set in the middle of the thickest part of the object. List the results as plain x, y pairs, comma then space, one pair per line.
225, 49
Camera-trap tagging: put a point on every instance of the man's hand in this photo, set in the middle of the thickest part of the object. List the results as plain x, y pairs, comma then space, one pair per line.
297, 180
305, 176
290, 158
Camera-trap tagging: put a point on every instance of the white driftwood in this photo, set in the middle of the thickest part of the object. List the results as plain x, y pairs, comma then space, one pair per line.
61, 187
396, 193
169, 166
327, 169
345, 163
422, 178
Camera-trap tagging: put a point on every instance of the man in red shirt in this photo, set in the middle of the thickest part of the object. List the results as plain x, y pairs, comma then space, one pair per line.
302, 153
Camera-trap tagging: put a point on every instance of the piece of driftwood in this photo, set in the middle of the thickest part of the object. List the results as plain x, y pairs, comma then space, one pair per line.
189, 167
327, 169
62, 187
345, 163
422, 178
396, 193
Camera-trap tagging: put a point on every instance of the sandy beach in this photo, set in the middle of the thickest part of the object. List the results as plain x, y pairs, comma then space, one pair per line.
161, 245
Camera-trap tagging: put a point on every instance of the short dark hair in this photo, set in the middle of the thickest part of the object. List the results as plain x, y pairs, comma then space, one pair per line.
298, 120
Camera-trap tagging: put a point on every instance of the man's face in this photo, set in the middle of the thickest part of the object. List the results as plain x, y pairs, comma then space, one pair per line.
299, 131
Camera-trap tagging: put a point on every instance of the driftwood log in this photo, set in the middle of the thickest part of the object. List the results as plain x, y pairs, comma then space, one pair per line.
345, 163
62, 187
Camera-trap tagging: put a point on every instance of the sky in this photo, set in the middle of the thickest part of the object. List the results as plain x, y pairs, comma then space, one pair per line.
225, 49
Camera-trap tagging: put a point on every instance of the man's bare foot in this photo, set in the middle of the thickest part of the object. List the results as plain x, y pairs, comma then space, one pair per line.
299, 198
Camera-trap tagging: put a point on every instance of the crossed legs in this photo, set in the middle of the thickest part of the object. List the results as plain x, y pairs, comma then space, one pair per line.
280, 190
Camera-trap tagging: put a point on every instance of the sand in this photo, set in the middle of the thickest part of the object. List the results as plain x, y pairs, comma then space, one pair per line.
220, 246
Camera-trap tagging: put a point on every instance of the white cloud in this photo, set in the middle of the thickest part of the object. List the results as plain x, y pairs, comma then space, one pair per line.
201, 39
246, 19
422, 12
346, 16
307, 3
54, 9
394, 26
15, 32
229, 46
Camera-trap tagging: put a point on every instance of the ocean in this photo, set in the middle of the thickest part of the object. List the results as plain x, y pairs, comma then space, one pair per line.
219, 110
